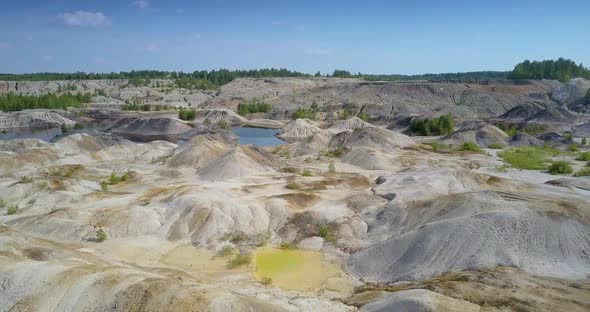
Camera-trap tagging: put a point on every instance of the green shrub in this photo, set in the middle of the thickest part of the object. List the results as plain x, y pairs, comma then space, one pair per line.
187, 114
266, 281
194, 83
307, 173
560, 167
584, 141
435, 126
12, 210
222, 124
287, 246
254, 107
304, 113
239, 260
225, 251
344, 114
25, 179
585, 156
2, 203
568, 136
529, 158
470, 146
496, 146
572, 147
292, 185
101, 235
364, 116
331, 168
326, 233
583, 173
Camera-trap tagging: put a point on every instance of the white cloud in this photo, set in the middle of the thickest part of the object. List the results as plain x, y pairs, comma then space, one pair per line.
99, 60
84, 19
141, 4
316, 51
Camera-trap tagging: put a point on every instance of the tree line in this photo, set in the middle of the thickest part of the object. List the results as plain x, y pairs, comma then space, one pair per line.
13, 102
562, 70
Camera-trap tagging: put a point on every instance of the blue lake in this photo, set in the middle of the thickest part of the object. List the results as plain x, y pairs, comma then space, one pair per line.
257, 136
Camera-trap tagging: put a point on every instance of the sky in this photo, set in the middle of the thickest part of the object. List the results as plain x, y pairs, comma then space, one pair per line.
370, 36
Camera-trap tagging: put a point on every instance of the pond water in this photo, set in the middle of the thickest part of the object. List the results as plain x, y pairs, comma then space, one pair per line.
257, 136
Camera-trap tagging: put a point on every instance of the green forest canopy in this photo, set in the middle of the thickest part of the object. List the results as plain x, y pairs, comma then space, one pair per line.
13, 102
561, 69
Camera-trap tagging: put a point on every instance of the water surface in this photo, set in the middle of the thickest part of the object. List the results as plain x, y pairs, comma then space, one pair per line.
257, 136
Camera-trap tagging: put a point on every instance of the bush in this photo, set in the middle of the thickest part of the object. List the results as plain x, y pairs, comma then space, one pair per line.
225, 251
568, 136
304, 113
583, 173
101, 235
364, 116
187, 114
584, 141
222, 124
25, 179
344, 114
287, 246
307, 173
266, 281
560, 167
326, 233
254, 107
12, 210
585, 156
436, 126
331, 168
496, 146
470, 146
293, 185
529, 158
572, 147
239, 260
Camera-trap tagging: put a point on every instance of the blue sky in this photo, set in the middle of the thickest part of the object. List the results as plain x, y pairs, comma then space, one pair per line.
405, 37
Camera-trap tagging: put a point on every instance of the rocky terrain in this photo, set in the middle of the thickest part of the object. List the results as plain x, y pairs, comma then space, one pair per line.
148, 212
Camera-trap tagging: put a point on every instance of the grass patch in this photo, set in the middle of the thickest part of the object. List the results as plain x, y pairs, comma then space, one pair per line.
470, 146
187, 114
226, 251
307, 173
496, 146
287, 246
114, 179
101, 235
308, 113
331, 168
572, 147
239, 260
327, 234
560, 167
528, 158
12, 210
25, 179
2, 203
583, 173
585, 156
293, 185
254, 107
266, 281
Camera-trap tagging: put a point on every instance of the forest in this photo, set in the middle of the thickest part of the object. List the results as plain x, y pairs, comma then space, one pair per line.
562, 70
13, 102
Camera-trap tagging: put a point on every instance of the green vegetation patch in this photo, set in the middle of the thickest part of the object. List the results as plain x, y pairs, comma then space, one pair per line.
306, 113
471, 147
560, 167
13, 102
239, 260
496, 146
583, 173
528, 158
254, 107
435, 126
585, 156
187, 114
